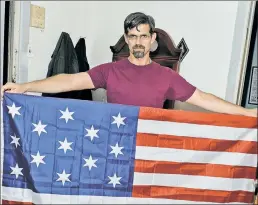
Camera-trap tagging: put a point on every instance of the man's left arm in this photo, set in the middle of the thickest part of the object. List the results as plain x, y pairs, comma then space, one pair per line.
213, 103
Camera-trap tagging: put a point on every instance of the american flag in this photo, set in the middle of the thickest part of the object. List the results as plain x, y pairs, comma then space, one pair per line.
69, 151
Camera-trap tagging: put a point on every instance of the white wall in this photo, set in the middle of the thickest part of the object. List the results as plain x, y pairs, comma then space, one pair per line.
207, 27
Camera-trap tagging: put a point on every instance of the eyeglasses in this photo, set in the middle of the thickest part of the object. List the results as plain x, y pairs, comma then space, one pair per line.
135, 37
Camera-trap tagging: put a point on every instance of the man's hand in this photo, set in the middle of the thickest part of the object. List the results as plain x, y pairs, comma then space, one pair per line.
13, 88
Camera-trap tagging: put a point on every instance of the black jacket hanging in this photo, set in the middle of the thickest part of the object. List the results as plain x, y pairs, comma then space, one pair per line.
64, 60
80, 50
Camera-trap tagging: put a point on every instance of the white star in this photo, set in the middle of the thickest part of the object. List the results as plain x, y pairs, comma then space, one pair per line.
16, 170
114, 180
116, 150
90, 162
38, 159
118, 120
65, 145
15, 140
66, 115
13, 110
92, 133
63, 177
39, 128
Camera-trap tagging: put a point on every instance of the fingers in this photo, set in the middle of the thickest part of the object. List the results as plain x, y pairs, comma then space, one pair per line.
2, 93
6, 88
3, 88
11, 88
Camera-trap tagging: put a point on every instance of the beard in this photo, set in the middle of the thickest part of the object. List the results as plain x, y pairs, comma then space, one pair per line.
138, 53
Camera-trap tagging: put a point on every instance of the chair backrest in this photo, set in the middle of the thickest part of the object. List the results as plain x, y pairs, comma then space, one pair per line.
166, 54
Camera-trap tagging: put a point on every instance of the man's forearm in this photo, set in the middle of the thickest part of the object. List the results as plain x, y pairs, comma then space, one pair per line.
54, 84
216, 104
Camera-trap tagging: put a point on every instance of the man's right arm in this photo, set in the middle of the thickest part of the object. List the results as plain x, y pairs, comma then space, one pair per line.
92, 79
55, 84
61, 83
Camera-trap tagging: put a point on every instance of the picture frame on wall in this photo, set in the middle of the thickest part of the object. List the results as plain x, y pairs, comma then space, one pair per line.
253, 98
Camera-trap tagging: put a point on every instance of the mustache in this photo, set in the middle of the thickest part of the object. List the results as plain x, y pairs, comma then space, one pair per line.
138, 46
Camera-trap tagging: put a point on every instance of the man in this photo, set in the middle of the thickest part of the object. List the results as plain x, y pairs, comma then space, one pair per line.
136, 80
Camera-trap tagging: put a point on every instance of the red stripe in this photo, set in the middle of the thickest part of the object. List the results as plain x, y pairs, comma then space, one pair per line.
216, 119
190, 143
212, 170
190, 194
7, 202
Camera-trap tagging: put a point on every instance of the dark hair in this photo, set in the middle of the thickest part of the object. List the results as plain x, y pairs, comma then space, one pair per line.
137, 18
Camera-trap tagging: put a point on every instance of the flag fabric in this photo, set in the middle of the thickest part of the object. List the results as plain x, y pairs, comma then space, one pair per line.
65, 151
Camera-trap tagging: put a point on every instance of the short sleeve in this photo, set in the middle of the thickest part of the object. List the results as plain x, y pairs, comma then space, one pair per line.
99, 75
179, 88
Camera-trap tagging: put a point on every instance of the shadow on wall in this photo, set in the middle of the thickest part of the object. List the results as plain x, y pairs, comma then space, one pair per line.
99, 95
188, 107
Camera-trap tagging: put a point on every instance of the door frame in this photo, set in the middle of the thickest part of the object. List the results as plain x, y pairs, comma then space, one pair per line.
246, 52
2, 41
18, 41
1, 83
240, 51
249, 62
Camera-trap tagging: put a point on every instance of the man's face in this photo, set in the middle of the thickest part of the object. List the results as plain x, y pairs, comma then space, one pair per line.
139, 42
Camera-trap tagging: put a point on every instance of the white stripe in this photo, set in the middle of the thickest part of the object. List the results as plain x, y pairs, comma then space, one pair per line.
26, 195
193, 181
195, 156
195, 130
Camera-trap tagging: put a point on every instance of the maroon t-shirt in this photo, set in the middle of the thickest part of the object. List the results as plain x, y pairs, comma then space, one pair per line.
148, 85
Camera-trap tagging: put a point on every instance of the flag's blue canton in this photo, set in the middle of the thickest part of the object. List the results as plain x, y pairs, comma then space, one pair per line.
69, 146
